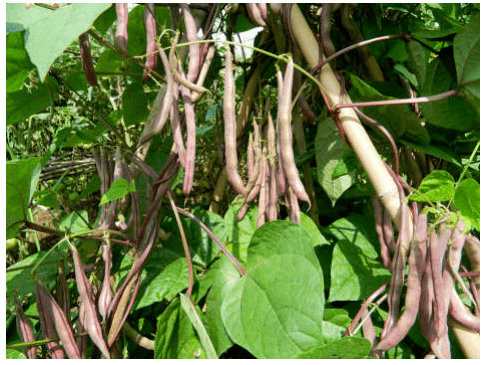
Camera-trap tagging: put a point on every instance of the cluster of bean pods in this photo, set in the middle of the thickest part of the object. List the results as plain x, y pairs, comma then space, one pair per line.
433, 258
257, 13
272, 171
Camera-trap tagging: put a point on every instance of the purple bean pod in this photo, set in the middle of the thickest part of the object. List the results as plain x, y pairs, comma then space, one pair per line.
105, 297
150, 31
190, 117
261, 208
462, 314
121, 37
398, 265
61, 323
194, 49
92, 323
177, 134
286, 139
24, 328
86, 59
255, 14
416, 262
231, 158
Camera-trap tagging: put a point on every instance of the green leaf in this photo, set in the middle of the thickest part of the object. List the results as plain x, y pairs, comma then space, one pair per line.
164, 275
21, 182
452, 113
436, 150
22, 104
309, 225
63, 26
345, 348
399, 120
75, 222
18, 65
19, 278
437, 186
119, 189
240, 232
189, 307
14, 354
359, 231
221, 275
467, 201
276, 309
134, 103
330, 149
466, 48
354, 276
175, 336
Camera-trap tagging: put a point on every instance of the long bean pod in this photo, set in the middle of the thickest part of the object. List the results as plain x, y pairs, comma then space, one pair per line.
151, 48
86, 59
231, 159
121, 36
194, 49
24, 328
92, 324
416, 263
285, 137
63, 329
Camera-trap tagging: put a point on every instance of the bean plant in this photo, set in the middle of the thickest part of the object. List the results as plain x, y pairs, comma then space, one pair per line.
312, 193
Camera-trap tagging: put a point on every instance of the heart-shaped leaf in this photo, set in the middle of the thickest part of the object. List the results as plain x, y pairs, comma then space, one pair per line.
276, 309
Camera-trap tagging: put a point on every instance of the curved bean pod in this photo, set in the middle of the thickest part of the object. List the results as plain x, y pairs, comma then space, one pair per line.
105, 297
194, 49
255, 14
92, 324
150, 31
121, 37
60, 321
24, 328
460, 313
286, 139
231, 159
86, 59
203, 72
190, 117
416, 262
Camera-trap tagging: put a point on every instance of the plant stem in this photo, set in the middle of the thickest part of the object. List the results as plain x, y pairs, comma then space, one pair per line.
422, 99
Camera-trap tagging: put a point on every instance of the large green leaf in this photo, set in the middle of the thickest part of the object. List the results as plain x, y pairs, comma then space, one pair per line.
175, 336
467, 201
17, 63
118, 190
21, 182
203, 248
437, 186
50, 32
164, 275
330, 150
354, 276
399, 120
466, 48
452, 113
240, 232
345, 348
221, 275
276, 309
359, 231
19, 279
21, 104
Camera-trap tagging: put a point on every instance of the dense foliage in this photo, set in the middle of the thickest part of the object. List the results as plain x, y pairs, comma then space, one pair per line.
175, 192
